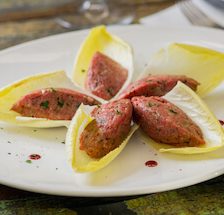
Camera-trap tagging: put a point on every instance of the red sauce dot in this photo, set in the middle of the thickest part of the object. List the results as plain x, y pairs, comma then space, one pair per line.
151, 163
34, 157
221, 122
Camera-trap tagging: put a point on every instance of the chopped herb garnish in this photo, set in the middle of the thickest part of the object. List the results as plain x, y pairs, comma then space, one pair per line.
63, 142
44, 104
150, 104
53, 90
34, 130
118, 112
172, 111
98, 105
28, 161
9, 153
110, 91
149, 80
1, 128
83, 70
8, 142
77, 105
60, 103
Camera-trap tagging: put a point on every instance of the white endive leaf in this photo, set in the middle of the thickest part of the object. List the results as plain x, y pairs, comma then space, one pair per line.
188, 101
13, 92
202, 64
77, 158
99, 39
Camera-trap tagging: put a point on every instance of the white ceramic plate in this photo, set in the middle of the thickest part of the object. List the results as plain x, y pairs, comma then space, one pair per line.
127, 174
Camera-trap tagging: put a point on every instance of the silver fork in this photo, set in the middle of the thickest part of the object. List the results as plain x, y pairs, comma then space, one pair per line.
195, 15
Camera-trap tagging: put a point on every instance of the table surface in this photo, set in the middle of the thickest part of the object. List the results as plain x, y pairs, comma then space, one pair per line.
24, 20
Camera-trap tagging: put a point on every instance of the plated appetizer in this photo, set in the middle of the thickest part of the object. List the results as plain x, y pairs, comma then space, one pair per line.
111, 125
104, 113
165, 123
104, 64
186, 124
97, 135
44, 100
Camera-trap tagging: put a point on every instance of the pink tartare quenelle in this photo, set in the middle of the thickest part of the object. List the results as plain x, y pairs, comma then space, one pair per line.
52, 103
111, 126
166, 123
156, 85
105, 76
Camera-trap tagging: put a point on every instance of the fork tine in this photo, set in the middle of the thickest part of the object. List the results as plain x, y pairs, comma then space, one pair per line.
184, 8
189, 10
200, 15
195, 15
193, 10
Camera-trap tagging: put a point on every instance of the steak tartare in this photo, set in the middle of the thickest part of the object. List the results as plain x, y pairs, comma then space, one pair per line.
52, 103
156, 85
166, 123
110, 127
105, 76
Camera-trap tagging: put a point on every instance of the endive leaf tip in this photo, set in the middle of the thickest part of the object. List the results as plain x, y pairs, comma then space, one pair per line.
98, 30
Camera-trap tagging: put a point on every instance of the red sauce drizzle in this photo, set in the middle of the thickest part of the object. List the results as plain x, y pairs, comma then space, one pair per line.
221, 122
151, 163
34, 157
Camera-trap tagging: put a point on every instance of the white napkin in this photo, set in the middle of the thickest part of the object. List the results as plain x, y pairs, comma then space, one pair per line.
171, 16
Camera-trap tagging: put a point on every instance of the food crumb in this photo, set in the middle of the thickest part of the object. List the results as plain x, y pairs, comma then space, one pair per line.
221, 122
9, 153
63, 142
28, 161
118, 112
44, 104
172, 111
8, 142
